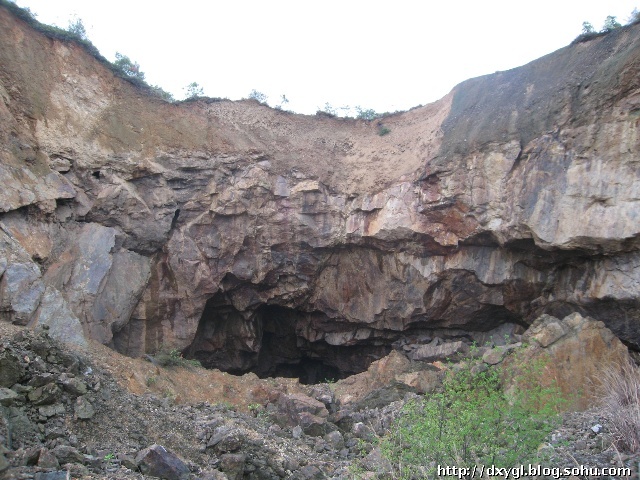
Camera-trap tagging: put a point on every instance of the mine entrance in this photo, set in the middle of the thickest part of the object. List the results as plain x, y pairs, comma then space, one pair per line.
274, 341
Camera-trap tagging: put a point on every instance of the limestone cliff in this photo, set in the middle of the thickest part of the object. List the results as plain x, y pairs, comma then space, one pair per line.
255, 239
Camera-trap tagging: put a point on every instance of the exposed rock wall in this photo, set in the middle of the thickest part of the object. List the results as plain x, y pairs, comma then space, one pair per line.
258, 239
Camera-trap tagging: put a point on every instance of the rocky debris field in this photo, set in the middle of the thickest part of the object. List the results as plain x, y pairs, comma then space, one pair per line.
63, 415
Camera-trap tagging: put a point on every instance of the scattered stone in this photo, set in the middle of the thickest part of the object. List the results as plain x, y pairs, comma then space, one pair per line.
232, 464
47, 459
83, 409
7, 396
52, 410
127, 461
313, 425
310, 472
334, 439
68, 454
300, 409
11, 370
296, 432
4, 463
59, 475
360, 430
45, 395
226, 440
212, 475
494, 355
73, 385
159, 462
41, 379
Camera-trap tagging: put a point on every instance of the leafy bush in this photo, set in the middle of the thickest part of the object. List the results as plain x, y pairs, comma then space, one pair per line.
328, 110
77, 28
158, 91
259, 96
382, 130
174, 358
471, 421
193, 90
587, 28
621, 403
128, 67
366, 114
610, 23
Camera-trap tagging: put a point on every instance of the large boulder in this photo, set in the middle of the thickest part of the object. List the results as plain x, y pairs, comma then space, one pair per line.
159, 462
573, 352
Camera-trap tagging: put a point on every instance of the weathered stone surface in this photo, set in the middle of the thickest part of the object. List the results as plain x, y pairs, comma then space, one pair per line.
67, 454
47, 459
56, 475
45, 395
73, 385
20, 282
494, 355
55, 313
226, 440
51, 410
83, 409
4, 463
11, 369
7, 396
232, 464
159, 462
575, 359
300, 409
431, 352
306, 246
395, 371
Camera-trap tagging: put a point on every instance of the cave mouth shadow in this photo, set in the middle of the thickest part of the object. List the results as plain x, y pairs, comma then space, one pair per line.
276, 341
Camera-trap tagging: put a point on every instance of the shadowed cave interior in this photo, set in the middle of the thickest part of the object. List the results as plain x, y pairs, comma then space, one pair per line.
273, 341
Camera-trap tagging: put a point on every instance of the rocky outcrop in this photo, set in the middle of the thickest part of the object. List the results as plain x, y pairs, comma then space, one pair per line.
258, 240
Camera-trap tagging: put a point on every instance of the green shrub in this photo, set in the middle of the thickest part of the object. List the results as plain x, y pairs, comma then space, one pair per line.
158, 91
382, 130
77, 28
259, 96
128, 67
366, 114
174, 358
193, 91
471, 421
610, 23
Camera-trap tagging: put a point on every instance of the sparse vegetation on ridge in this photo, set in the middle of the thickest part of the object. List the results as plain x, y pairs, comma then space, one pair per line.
193, 91
610, 24
258, 96
76, 33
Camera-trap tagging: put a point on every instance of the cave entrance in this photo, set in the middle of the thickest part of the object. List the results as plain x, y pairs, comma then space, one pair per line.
276, 341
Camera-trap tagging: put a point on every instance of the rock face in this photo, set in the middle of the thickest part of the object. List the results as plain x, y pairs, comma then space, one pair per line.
258, 240
574, 352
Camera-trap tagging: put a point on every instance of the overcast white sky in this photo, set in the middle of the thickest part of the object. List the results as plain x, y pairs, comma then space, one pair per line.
388, 56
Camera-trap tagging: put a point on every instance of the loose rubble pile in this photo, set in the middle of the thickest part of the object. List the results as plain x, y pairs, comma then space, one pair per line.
62, 416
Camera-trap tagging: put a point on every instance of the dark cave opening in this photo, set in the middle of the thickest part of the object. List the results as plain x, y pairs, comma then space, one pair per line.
276, 341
